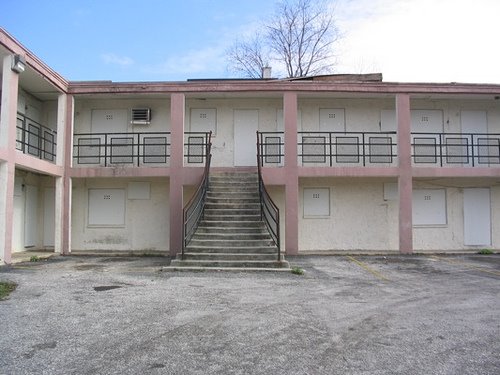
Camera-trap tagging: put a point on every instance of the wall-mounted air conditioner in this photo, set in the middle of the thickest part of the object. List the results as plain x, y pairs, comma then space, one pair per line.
141, 116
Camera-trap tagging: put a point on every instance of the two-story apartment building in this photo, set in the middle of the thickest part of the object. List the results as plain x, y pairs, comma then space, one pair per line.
352, 162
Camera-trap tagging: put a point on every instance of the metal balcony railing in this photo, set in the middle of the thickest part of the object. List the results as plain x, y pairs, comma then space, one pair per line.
35, 139
333, 148
137, 149
456, 149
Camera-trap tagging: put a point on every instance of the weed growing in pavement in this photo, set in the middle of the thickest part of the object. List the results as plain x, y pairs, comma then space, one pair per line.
6, 288
485, 252
34, 258
297, 271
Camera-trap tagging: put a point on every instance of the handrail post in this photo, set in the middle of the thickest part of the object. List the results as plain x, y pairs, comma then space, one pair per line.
265, 199
194, 210
105, 150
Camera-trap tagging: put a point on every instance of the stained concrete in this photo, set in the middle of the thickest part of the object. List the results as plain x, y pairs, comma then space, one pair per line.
345, 315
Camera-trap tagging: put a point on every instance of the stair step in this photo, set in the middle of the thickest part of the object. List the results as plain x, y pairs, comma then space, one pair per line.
230, 243
232, 211
199, 236
243, 191
232, 206
231, 196
231, 230
229, 263
231, 218
232, 250
208, 223
225, 199
227, 256
231, 175
234, 181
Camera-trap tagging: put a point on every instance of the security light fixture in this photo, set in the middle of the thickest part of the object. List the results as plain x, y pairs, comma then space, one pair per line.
18, 64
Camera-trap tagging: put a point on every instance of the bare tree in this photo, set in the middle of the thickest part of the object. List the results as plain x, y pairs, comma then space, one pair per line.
248, 57
299, 38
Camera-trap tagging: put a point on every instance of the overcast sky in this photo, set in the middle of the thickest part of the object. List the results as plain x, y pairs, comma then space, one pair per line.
171, 40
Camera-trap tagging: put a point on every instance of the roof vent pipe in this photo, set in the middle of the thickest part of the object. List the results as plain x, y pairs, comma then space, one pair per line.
266, 72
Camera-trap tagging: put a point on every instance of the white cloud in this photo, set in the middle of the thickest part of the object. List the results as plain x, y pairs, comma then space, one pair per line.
111, 58
421, 40
192, 62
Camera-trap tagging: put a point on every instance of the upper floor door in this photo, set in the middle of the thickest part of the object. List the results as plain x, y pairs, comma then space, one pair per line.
246, 124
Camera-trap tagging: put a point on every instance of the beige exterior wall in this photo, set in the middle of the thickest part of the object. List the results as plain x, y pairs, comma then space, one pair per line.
146, 225
160, 119
359, 219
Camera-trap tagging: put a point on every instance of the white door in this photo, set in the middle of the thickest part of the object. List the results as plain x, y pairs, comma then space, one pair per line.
475, 122
31, 216
48, 217
246, 124
18, 218
477, 217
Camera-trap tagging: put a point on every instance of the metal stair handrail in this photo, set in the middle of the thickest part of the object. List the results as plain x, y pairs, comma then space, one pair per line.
194, 209
269, 212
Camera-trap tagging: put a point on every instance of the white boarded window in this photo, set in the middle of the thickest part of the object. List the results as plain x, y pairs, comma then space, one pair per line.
427, 120
316, 202
109, 120
106, 207
332, 120
429, 207
204, 120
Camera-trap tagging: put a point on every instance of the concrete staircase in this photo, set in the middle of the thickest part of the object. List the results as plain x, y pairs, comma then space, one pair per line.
231, 234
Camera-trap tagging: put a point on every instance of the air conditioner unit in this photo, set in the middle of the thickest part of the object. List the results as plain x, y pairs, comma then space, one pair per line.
141, 116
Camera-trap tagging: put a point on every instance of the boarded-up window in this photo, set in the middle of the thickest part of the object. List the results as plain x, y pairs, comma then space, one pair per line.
429, 207
106, 207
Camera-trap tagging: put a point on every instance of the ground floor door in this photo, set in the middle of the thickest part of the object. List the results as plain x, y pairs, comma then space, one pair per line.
246, 124
48, 217
477, 217
31, 216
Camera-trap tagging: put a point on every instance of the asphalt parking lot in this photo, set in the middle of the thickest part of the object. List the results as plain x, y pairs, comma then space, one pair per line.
346, 315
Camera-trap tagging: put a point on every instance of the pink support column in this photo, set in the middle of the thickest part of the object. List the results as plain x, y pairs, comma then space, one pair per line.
405, 181
8, 119
291, 174
63, 184
177, 111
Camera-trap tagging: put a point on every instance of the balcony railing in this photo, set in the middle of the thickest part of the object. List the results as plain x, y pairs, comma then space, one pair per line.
270, 148
376, 148
35, 139
137, 149
338, 148
331, 148
456, 149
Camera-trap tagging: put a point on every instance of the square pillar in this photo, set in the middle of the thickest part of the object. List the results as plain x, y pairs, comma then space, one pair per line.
176, 197
64, 158
291, 174
7, 172
405, 180
8, 120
